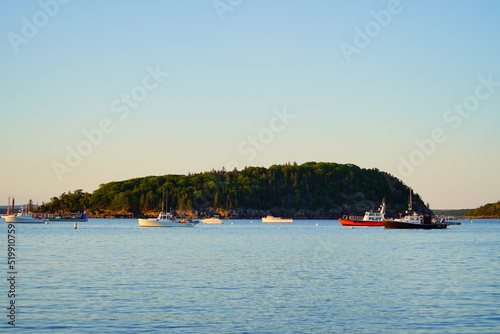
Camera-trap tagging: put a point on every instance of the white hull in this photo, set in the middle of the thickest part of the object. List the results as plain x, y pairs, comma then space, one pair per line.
165, 223
212, 221
271, 219
24, 219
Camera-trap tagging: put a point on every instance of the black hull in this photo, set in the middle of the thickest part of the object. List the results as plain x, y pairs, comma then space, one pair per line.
392, 224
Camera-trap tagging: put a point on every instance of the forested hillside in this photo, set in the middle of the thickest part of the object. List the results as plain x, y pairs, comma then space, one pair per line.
490, 210
310, 190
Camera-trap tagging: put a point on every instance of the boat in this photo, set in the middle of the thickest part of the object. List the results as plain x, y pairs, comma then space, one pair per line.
212, 220
73, 217
451, 221
272, 219
10, 209
370, 218
166, 219
25, 217
413, 220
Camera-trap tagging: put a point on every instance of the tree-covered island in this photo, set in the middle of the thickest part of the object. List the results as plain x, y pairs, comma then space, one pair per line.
311, 190
490, 210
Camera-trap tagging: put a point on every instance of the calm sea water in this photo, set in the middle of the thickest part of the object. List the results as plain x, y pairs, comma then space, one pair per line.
110, 276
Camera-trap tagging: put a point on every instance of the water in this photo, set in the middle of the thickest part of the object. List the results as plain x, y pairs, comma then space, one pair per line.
110, 276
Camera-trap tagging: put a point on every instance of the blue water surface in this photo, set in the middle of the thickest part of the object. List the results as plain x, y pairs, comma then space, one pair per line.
110, 276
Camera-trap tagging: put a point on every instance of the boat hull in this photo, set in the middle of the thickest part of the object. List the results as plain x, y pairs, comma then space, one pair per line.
347, 222
271, 219
393, 224
24, 220
277, 221
163, 223
212, 221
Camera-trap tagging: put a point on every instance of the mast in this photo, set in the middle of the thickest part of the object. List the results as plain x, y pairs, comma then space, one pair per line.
382, 207
163, 203
410, 204
8, 206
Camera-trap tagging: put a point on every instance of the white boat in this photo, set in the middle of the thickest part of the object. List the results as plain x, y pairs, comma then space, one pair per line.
25, 218
212, 220
165, 219
272, 219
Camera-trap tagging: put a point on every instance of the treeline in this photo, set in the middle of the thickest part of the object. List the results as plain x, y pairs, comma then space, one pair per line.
451, 212
490, 210
310, 190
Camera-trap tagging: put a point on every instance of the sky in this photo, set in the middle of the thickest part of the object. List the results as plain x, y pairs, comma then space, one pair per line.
99, 91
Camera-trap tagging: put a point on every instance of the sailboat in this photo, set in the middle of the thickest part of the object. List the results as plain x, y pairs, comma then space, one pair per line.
166, 219
10, 210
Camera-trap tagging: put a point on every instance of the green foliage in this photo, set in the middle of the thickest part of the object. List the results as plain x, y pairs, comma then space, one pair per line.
310, 186
451, 212
76, 201
489, 210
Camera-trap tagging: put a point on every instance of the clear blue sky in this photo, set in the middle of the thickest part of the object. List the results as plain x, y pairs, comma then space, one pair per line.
190, 86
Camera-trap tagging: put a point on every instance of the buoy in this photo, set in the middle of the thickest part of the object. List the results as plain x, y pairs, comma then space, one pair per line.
350, 227
232, 223
46, 222
75, 226
317, 224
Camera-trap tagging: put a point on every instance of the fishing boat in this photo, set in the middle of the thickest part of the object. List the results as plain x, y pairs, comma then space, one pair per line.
212, 220
166, 219
371, 218
272, 219
413, 220
25, 217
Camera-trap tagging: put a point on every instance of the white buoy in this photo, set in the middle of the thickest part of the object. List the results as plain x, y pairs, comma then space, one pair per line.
46, 222
232, 223
350, 227
75, 226
317, 224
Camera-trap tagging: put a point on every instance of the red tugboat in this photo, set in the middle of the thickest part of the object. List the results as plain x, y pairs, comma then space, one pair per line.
371, 218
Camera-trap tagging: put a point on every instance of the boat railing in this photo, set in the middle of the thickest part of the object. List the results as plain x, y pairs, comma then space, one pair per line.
346, 217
